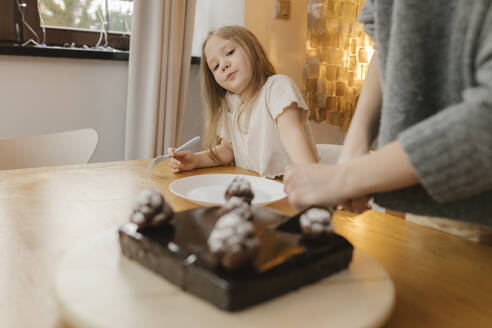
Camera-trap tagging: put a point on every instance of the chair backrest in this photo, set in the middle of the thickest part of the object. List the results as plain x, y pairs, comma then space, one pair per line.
63, 148
328, 153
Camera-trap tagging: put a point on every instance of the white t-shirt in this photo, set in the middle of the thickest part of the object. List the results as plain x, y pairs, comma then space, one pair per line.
257, 144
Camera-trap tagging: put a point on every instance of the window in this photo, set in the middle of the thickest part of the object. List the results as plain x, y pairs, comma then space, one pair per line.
77, 23
87, 14
211, 14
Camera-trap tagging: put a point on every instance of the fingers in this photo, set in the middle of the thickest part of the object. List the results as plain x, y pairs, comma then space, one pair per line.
177, 159
289, 168
292, 187
356, 205
175, 165
288, 189
357, 208
359, 205
289, 178
294, 200
346, 206
180, 154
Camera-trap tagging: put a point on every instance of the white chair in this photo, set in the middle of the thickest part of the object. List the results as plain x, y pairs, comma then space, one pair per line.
328, 153
63, 148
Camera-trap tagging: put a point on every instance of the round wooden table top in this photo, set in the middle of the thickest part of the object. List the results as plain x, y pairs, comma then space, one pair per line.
98, 287
440, 280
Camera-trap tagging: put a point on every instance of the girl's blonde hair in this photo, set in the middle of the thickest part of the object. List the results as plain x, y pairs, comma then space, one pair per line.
214, 94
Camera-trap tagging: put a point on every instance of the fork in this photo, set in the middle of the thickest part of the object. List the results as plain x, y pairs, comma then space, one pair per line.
184, 146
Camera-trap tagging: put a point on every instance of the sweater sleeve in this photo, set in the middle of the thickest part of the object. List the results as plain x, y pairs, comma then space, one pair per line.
462, 134
367, 17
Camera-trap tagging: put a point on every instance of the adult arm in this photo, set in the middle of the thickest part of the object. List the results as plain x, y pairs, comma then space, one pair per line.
364, 125
321, 184
363, 128
448, 153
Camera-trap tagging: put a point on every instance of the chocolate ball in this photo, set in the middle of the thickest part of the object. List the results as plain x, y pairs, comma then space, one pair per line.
316, 222
236, 204
233, 241
239, 187
151, 210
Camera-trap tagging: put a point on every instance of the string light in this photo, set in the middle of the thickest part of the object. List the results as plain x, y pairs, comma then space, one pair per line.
338, 54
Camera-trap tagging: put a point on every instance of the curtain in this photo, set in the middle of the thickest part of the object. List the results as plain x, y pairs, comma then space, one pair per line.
159, 66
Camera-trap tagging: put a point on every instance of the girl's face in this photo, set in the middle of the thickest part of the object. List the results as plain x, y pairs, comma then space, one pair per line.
228, 63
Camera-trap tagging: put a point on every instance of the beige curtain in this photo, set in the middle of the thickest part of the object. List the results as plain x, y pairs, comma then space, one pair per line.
159, 66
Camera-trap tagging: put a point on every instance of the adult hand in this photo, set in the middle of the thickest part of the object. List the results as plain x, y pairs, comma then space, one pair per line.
314, 184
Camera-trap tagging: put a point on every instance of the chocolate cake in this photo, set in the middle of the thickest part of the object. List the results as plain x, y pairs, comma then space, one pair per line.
182, 251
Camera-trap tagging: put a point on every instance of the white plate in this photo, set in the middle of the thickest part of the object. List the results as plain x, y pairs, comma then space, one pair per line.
209, 189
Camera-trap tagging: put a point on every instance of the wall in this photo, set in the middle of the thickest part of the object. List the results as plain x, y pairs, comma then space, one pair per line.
66, 94
209, 14
284, 41
44, 95
193, 124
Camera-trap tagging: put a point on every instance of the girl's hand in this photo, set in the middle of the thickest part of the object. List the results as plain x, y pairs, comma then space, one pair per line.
182, 161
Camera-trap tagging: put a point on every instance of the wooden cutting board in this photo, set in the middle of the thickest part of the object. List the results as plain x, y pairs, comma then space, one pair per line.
98, 287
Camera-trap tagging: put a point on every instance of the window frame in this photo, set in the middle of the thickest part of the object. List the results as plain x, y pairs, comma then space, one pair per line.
8, 21
55, 36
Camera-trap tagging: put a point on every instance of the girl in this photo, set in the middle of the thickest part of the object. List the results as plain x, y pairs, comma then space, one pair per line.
257, 115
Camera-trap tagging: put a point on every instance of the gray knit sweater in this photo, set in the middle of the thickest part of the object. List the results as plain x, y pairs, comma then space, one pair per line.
435, 60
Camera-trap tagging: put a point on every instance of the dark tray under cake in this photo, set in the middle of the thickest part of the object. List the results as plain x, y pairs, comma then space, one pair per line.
286, 261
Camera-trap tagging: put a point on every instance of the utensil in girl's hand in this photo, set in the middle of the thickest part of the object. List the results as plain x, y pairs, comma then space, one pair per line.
186, 145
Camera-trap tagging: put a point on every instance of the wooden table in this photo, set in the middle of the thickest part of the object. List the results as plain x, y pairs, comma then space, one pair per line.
441, 280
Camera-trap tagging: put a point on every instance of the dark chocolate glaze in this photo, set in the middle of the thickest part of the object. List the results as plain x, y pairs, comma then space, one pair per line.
286, 260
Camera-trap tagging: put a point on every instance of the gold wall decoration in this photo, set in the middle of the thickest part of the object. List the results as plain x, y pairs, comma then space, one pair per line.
338, 53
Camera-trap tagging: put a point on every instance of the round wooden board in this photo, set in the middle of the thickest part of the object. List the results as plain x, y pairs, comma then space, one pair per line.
96, 286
